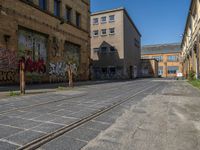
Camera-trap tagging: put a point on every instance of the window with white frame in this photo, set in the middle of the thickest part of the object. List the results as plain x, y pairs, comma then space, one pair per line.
103, 19
95, 33
103, 32
95, 20
172, 58
112, 31
111, 18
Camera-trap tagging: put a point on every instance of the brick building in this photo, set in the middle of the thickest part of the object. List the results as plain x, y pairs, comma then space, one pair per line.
47, 33
191, 40
115, 45
148, 68
168, 56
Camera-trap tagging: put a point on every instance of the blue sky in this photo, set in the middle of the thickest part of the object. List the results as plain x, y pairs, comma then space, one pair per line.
159, 21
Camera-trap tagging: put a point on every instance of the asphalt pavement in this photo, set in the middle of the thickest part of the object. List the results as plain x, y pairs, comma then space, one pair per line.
24, 119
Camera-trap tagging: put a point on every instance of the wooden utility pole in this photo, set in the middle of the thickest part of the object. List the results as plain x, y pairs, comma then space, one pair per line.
70, 75
22, 77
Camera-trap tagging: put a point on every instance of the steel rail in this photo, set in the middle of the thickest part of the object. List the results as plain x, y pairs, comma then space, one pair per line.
45, 139
45, 103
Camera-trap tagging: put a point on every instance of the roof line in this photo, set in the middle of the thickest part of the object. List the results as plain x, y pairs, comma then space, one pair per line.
106, 11
166, 44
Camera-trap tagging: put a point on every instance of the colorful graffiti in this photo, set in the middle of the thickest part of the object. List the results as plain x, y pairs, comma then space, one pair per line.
59, 69
33, 66
8, 59
7, 75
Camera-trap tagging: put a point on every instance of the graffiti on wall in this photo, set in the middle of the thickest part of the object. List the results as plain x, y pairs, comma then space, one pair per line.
59, 69
33, 49
7, 75
8, 59
33, 66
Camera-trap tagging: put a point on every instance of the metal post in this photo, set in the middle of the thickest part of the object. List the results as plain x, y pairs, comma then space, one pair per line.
22, 77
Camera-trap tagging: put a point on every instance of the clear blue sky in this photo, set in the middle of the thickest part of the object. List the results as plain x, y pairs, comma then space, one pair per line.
159, 21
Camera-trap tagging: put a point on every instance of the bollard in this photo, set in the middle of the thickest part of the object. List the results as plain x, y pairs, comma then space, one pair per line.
22, 78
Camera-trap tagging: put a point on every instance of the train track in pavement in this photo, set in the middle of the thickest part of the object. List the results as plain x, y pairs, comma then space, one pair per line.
47, 138
113, 88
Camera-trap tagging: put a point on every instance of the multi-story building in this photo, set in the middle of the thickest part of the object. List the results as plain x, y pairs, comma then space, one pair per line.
115, 45
190, 42
149, 68
168, 56
46, 33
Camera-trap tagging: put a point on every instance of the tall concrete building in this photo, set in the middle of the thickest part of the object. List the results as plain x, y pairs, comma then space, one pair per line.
191, 40
115, 45
46, 33
168, 56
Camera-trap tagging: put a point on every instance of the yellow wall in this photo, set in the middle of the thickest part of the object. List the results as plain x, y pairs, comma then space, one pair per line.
165, 63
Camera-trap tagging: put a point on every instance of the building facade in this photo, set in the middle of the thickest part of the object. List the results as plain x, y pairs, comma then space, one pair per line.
190, 42
46, 34
149, 68
115, 45
168, 56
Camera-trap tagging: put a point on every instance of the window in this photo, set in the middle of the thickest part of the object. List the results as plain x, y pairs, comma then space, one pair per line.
43, 4
104, 70
103, 19
95, 33
103, 49
112, 49
57, 8
172, 69
112, 70
103, 32
95, 21
172, 58
160, 71
68, 14
112, 18
112, 31
158, 58
95, 50
78, 19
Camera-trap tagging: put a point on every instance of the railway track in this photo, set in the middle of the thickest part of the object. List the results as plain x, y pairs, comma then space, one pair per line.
47, 138
113, 88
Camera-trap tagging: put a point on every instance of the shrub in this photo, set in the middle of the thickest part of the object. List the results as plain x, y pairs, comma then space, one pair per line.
191, 75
